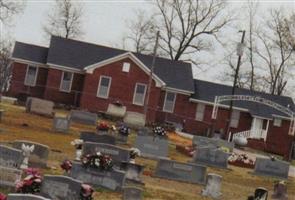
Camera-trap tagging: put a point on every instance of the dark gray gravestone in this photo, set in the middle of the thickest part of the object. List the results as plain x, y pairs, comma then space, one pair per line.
133, 171
25, 197
60, 188
152, 147
118, 154
210, 157
10, 157
267, 167
121, 139
132, 193
186, 172
112, 180
9, 176
83, 117
93, 137
38, 157
61, 124
200, 141
144, 131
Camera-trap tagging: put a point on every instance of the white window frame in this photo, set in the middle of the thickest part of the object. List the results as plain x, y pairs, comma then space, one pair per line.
232, 125
108, 92
61, 81
35, 80
175, 95
134, 93
202, 107
277, 122
126, 67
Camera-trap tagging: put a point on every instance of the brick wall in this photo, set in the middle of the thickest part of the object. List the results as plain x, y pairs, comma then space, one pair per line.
19, 89
53, 92
122, 88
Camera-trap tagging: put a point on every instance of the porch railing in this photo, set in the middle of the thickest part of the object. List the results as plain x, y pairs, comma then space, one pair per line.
257, 134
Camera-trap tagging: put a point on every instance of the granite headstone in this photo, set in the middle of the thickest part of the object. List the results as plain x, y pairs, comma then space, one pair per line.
94, 137
10, 157
152, 147
118, 154
112, 180
9, 176
210, 156
132, 193
25, 197
186, 172
60, 188
83, 117
273, 168
61, 124
39, 156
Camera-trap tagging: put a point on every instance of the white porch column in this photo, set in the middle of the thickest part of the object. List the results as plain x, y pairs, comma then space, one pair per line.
252, 131
266, 130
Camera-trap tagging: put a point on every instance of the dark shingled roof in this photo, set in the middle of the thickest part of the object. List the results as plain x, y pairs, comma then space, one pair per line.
30, 52
77, 54
206, 91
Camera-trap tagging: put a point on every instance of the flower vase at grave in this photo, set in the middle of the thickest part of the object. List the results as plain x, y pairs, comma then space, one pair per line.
27, 150
77, 143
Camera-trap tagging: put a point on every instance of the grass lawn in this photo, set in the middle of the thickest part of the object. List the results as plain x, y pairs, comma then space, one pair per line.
237, 182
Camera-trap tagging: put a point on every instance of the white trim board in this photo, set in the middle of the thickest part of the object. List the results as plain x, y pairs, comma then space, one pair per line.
27, 62
89, 69
64, 68
220, 105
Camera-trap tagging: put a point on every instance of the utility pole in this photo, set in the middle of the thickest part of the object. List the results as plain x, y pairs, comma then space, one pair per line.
239, 53
151, 75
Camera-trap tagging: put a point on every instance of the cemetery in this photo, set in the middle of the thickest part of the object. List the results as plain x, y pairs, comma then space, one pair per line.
88, 159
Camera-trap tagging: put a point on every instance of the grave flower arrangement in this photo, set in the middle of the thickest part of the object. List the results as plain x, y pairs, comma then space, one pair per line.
3, 196
103, 126
86, 192
241, 160
31, 183
66, 165
98, 160
159, 131
124, 130
134, 152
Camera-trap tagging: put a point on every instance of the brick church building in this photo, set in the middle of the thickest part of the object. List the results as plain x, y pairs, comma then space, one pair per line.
92, 76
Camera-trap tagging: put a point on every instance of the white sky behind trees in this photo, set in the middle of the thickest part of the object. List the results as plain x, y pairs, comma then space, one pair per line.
104, 23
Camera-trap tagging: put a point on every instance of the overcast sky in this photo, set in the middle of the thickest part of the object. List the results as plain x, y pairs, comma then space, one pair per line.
105, 22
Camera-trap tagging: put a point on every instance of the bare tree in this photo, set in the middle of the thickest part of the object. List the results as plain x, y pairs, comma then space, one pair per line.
276, 53
5, 63
66, 20
9, 8
184, 26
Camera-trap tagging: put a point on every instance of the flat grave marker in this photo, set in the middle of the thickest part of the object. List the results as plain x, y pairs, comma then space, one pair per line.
212, 157
83, 117
132, 193
112, 180
178, 171
273, 168
60, 188
38, 157
152, 147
